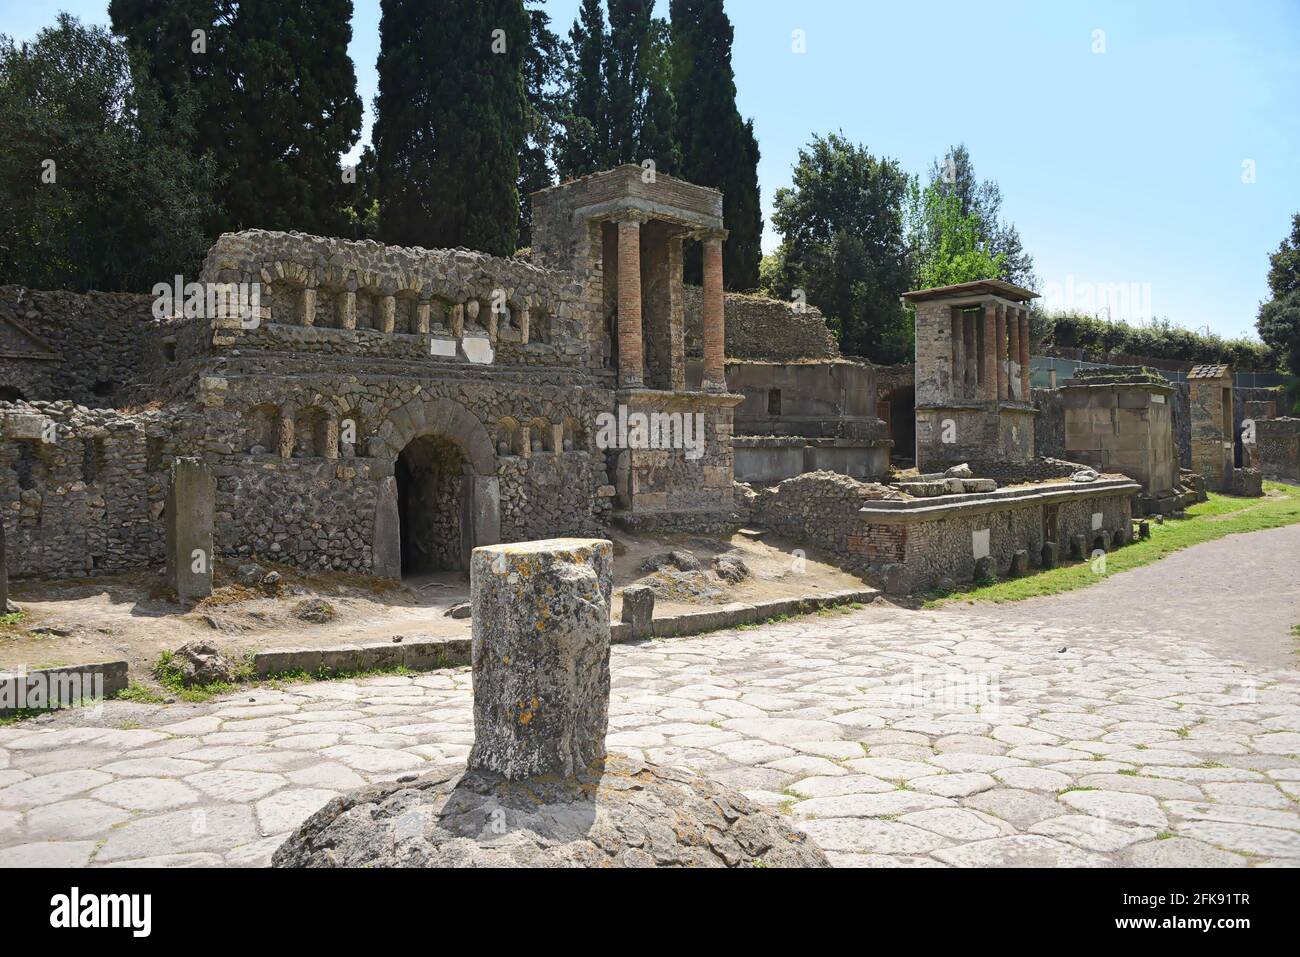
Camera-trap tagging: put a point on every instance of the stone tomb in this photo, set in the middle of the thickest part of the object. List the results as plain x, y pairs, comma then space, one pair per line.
1210, 388
540, 790
972, 374
1276, 452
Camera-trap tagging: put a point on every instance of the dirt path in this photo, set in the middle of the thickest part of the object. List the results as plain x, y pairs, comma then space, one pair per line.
1241, 592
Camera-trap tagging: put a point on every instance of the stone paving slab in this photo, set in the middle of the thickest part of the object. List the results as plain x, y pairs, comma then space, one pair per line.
895, 738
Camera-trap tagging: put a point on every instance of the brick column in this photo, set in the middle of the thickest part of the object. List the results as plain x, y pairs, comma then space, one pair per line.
714, 322
1024, 354
1013, 352
958, 354
990, 352
631, 367
1000, 349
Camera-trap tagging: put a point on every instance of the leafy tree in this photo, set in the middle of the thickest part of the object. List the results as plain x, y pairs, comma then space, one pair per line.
955, 177
275, 95
844, 245
100, 187
1279, 318
451, 121
947, 244
718, 148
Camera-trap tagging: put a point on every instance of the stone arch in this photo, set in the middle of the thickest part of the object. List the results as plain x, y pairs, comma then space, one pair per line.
421, 424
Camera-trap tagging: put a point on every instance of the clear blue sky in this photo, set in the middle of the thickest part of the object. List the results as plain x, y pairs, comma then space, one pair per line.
1118, 167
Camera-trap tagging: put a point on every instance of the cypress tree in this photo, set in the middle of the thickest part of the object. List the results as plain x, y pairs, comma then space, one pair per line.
584, 142
451, 121
542, 74
275, 94
718, 148
625, 80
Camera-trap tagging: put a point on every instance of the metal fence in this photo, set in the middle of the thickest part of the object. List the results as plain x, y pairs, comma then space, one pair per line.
1048, 372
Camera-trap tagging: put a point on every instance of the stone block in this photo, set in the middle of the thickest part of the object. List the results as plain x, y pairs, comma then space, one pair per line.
1019, 563
1101, 540
638, 610
1051, 554
984, 570
387, 548
189, 516
1079, 547
541, 655
428, 654
287, 661
1248, 482
896, 579
1144, 529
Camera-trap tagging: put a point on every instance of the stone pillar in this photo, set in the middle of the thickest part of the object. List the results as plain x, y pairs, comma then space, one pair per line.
525, 321
540, 656
421, 318
1013, 354
386, 543
189, 513
959, 356
387, 313
972, 354
285, 436
458, 320
4, 572
990, 352
347, 309
1000, 349
1024, 355
714, 321
631, 368
307, 306
332, 437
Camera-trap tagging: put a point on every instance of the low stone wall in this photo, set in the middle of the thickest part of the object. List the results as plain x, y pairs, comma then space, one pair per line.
1277, 448
772, 459
761, 328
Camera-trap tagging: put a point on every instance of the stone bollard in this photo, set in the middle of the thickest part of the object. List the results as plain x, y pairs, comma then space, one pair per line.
540, 656
189, 515
1051, 554
1019, 563
1079, 547
1144, 529
639, 610
1101, 540
984, 569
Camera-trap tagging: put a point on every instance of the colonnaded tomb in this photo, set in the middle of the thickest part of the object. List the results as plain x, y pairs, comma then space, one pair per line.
347, 406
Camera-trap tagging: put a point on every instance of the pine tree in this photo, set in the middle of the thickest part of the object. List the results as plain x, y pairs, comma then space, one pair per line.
275, 96
718, 148
451, 122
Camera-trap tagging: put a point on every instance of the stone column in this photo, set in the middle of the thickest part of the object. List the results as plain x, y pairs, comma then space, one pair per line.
307, 306
1000, 349
540, 656
1013, 354
386, 547
4, 572
189, 513
332, 437
286, 432
631, 368
1024, 355
387, 313
714, 321
972, 354
347, 309
959, 357
421, 318
990, 352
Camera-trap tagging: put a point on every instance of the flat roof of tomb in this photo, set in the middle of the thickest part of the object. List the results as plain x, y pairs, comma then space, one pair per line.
980, 288
628, 188
912, 510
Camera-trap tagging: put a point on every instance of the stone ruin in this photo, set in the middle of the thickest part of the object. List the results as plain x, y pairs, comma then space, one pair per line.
540, 790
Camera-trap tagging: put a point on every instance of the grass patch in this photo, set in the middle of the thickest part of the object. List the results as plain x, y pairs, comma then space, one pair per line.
168, 673
1219, 516
11, 624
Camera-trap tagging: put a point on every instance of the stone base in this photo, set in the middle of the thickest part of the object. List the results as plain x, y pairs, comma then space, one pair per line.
626, 813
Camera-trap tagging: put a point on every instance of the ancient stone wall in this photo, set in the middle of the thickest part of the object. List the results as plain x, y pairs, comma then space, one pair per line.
92, 498
762, 328
1277, 448
97, 349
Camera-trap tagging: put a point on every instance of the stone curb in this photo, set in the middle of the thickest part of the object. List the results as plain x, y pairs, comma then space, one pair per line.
740, 613
428, 654
63, 687
418, 654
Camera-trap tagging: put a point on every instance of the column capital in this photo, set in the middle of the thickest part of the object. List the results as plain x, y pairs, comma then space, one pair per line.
637, 216
709, 234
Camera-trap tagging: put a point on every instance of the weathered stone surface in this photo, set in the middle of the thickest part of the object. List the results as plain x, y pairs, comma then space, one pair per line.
1051, 555
541, 655
638, 610
202, 663
191, 501
618, 813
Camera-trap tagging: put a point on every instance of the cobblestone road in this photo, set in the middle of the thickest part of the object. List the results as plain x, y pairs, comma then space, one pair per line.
895, 738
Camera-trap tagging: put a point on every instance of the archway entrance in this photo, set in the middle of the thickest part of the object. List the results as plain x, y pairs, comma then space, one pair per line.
431, 476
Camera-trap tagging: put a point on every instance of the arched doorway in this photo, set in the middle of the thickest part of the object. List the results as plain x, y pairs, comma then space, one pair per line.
442, 498
431, 473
